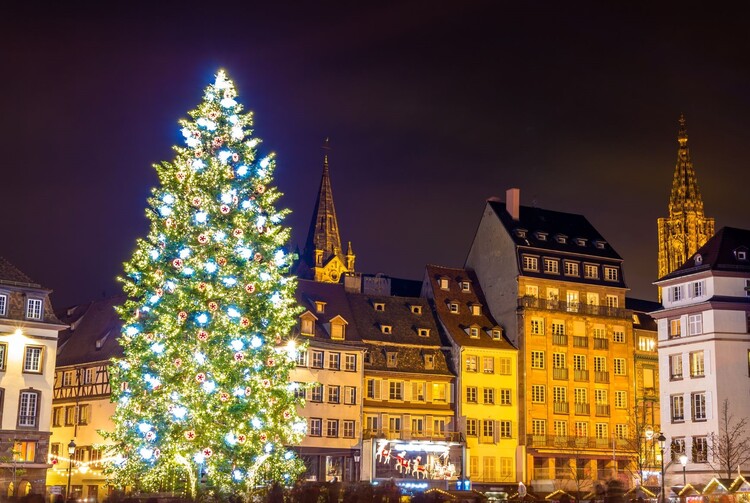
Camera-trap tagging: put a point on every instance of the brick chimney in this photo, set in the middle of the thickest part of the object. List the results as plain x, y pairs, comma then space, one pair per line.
513, 202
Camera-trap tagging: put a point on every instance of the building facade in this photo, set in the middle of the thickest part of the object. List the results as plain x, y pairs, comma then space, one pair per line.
557, 287
486, 381
704, 351
28, 340
686, 228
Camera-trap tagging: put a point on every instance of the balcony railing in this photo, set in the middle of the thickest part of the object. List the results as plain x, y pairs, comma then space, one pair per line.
448, 436
580, 342
601, 377
560, 339
580, 375
568, 442
602, 410
576, 307
583, 409
560, 374
561, 407
600, 343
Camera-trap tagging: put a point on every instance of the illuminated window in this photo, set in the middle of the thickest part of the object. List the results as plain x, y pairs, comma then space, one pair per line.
621, 399
28, 409
417, 391
675, 367
488, 365
438, 392
320, 307
571, 268
34, 309
443, 283
24, 451
538, 393
58, 414
697, 365
350, 362
32, 361
530, 263
677, 408
675, 328
471, 363
338, 329
551, 266
610, 273
698, 403
307, 326
3, 355
591, 271
537, 359
476, 309
465, 286
503, 366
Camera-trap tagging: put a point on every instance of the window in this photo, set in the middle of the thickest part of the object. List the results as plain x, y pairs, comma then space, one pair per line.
507, 467
591, 271
429, 362
505, 395
58, 414
505, 429
697, 288
601, 430
537, 359
395, 390
379, 306
453, 307
488, 429
697, 368
88, 375
423, 332
600, 364
474, 332
307, 325
70, 415
537, 326
677, 408
489, 395
621, 431
571, 268
621, 399
572, 301
320, 307
301, 360
677, 447
438, 392
561, 428
386, 329
646, 343
618, 335
471, 427
299, 390
599, 332
316, 393
559, 394
675, 367
558, 328
538, 393
558, 360
417, 425
488, 364
34, 309
373, 389
350, 395
24, 451
700, 449
3, 304
32, 361
391, 359
619, 366
695, 324
551, 266
338, 330
476, 309
582, 429
530, 263
532, 291
503, 366
3, 355
471, 394
612, 301
332, 428
350, 362
347, 427
317, 359
84, 410
394, 424
675, 293
438, 426
443, 283
334, 394
538, 427
28, 408
334, 361
610, 273
674, 328
471, 363
698, 403
465, 286
415, 309
579, 362
600, 397
371, 423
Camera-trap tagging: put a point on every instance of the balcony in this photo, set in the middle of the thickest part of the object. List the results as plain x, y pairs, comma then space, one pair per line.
601, 343
580, 375
576, 443
561, 407
560, 374
583, 409
560, 339
580, 342
577, 307
601, 377
602, 410
445, 436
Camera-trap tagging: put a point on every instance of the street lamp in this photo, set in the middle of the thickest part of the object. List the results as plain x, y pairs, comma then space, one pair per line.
683, 461
662, 440
357, 454
71, 453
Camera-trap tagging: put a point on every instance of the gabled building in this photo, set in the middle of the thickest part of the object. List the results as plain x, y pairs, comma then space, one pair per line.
28, 340
487, 401
704, 348
686, 228
557, 286
329, 374
409, 417
323, 258
81, 406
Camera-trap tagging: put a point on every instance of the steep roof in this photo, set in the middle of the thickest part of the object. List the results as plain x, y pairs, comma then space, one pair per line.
553, 223
457, 323
93, 334
641, 308
323, 233
686, 195
10, 274
720, 253
336, 304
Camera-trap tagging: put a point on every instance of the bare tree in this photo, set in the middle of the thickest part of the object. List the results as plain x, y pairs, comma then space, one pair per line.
730, 448
640, 444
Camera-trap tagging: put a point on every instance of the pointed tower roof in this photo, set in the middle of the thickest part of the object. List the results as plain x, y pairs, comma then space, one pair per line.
324, 228
685, 193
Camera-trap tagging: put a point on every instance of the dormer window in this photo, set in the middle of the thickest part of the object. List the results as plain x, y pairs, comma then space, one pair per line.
34, 309
741, 253
367, 357
476, 309
561, 238
443, 283
307, 323
320, 307
521, 233
423, 332
551, 266
473, 331
379, 306
610, 273
391, 359
541, 236
496, 334
600, 244
698, 259
581, 241
429, 362
338, 328
530, 263
453, 307
416, 309
465, 286
386, 329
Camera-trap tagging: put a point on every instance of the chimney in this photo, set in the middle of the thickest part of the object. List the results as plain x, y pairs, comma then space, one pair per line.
513, 202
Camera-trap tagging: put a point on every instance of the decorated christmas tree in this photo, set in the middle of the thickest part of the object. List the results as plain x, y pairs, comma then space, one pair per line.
203, 393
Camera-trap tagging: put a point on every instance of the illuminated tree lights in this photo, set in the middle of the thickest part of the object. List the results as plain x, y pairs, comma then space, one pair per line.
203, 388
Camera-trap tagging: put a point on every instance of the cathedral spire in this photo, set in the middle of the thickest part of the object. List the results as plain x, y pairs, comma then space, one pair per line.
685, 193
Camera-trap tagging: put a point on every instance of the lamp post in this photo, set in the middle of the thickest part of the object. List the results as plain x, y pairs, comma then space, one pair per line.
683, 462
357, 454
662, 440
71, 453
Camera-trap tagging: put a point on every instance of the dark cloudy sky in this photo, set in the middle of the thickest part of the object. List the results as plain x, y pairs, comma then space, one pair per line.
431, 108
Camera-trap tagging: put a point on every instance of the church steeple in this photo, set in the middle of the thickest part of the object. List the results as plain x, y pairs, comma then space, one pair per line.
686, 228
323, 254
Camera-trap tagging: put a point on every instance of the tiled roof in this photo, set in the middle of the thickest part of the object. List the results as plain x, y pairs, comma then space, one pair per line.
93, 334
410, 359
336, 304
457, 323
554, 223
642, 308
11, 274
720, 253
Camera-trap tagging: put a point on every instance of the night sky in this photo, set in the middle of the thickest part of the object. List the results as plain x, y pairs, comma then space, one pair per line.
431, 107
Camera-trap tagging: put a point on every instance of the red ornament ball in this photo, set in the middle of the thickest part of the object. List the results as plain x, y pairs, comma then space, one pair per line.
202, 335
250, 288
177, 263
201, 377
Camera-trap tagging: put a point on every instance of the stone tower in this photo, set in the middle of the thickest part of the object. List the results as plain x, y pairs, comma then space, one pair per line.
323, 258
686, 228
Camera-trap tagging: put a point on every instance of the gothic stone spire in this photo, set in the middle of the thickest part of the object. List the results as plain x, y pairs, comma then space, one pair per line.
685, 195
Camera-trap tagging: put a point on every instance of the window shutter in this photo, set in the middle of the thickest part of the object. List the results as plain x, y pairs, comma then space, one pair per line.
451, 391
384, 424
376, 389
496, 432
414, 390
429, 425
709, 406
406, 425
707, 362
428, 392
408, 391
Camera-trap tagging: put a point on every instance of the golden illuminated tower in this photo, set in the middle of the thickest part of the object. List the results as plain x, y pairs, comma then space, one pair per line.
686, 228
323, 258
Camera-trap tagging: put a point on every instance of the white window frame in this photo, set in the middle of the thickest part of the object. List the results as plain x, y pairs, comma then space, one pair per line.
3, 304
695, 324
34, 309
33, 359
